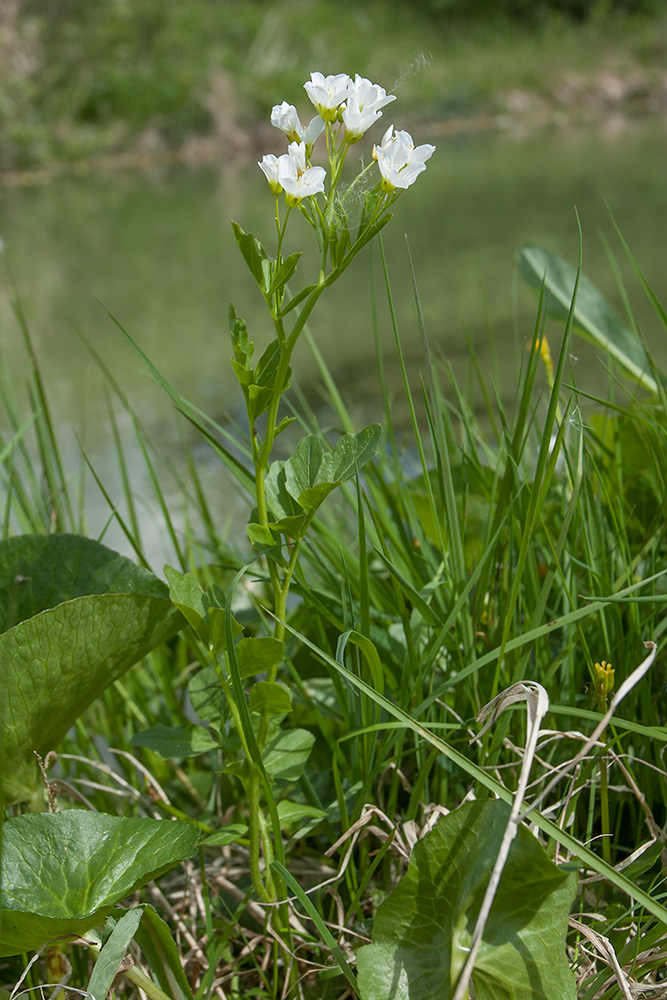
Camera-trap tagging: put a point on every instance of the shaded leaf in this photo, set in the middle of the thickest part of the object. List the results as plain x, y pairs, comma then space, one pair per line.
258, 654
113, 953
268, 698
159, 949
187, 740
285, 755
227, 835
302, 468
207, 697
423, 930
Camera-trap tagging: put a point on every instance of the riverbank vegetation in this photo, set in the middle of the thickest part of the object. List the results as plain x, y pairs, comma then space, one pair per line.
79, 80
400, 731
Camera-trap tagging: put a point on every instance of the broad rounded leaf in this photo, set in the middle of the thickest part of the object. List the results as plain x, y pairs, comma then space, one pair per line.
82, 615
187, 740
62, 873
423, 930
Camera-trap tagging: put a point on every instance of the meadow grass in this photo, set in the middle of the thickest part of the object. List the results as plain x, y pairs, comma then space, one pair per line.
482, 547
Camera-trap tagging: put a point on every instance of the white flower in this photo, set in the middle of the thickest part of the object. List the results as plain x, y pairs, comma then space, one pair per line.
269, 164
362, 108
285, 117
296, 179
399, 160
327, 93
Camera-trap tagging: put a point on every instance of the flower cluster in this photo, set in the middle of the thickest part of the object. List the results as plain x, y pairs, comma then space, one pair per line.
351, 106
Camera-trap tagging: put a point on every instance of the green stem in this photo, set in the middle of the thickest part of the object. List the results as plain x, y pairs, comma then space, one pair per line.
255, 834
145, 983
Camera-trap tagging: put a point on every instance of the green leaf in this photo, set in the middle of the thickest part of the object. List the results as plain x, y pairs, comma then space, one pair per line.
593, 315
113, 953
351, 452
227, 835
292, 814
284, 272
285, 755
260, 535
258, 654
94, 615
267, 698
187, 595
255, 257
302, 468
62, 873
243, 346
423, 930
187, 740
207, 697
159, 949
280, 501
298, 299
312, 498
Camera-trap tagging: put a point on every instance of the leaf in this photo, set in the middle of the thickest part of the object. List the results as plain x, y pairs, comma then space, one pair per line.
302, 468
286, 754
227, 835
257, 654
292, 814
243, 346
62, 873
187, 595
423, 930
593, 315
351, 452
312, 498
207, 697
298, 299
268, 698
188, 740
280, 501
284, 272
159, 949
113, 953
94, 615
255, 257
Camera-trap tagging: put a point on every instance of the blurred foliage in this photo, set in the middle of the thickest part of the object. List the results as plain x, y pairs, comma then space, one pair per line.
78, 78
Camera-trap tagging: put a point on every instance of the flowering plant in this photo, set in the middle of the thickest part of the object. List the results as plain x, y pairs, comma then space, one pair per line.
289, 493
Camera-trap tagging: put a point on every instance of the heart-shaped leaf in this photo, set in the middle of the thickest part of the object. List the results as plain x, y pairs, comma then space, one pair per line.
82, 615
423, 930
62, 873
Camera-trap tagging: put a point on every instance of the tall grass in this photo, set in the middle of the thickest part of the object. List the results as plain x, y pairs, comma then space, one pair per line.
485, 545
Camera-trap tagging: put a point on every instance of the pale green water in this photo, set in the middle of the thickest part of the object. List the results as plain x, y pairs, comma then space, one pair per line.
158, 252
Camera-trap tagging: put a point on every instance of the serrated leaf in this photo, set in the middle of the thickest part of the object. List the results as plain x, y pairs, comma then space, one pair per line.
285, 755
113, 953
423, 930
256, 655
187, 740
267, 698
302, 468
350, 454
593, 315
62, 873
54, 664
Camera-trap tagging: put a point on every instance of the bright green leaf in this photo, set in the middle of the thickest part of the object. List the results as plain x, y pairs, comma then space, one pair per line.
227, 835
258, 654
255, 257
302, 468
284, 272
351, 452
62, 873
423, 930
268, 698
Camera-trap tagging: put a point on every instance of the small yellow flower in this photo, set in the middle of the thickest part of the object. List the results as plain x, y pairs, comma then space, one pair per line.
604, 681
